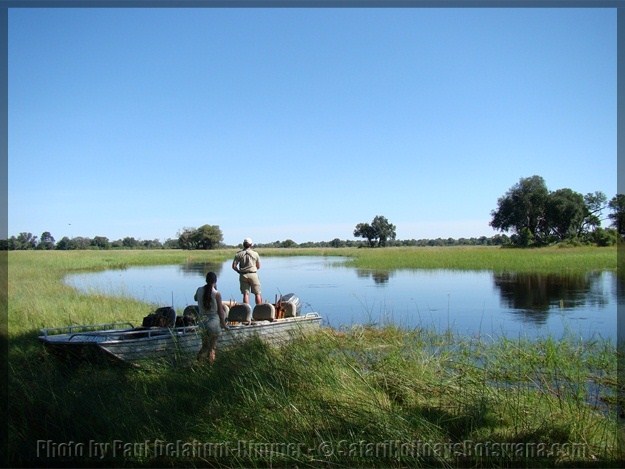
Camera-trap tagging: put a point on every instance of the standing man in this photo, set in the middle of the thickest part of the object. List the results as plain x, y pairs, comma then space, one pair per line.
246, 263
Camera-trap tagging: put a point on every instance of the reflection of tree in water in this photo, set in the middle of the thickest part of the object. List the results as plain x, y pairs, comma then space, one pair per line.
380, 277
200, 269
533, 295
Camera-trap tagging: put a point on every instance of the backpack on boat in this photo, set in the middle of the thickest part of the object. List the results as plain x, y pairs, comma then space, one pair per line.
189, 317
162, 317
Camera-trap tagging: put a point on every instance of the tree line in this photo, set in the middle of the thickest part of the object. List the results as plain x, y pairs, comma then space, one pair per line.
537, 216
527, 215
26, 241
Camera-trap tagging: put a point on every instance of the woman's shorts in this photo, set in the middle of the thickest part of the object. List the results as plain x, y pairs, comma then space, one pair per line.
209, 324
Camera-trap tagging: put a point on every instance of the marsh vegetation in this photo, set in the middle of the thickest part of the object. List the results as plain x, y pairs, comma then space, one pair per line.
366, 396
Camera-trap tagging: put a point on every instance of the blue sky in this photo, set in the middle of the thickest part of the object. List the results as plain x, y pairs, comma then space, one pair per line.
301, 123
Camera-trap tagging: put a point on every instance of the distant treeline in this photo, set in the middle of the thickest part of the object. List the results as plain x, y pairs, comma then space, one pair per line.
26, 241
534, 215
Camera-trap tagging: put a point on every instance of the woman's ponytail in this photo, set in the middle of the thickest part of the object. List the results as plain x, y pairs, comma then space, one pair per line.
211, 280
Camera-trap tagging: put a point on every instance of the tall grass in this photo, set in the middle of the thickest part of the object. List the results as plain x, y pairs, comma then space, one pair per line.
37, 296
363, 397
359, 398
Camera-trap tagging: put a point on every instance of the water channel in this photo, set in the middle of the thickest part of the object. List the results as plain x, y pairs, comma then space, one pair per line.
476, 303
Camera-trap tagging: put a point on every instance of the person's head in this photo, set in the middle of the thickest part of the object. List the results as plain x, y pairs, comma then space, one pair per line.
211, 278
247, 243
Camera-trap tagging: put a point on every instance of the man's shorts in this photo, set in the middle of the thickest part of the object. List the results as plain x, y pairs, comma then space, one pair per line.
250, 281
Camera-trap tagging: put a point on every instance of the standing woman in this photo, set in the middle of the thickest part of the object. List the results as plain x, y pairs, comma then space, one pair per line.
212, 317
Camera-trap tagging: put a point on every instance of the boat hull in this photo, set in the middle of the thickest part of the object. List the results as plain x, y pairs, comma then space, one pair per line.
135, 345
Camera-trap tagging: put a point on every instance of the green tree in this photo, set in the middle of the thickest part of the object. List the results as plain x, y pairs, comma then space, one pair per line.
208, 237
101, 242
152, 244
80, 242
617, 205
384, 230
365, 230
185, 238
522, 211
565, 212
171, 244
204, 237
63, 244
337, 243
377, 233
130, 242
604, 237
288, 243
25, 241
46, 241
595, 203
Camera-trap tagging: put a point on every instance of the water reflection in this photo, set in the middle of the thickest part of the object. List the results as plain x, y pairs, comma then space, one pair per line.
533, 295
194, 269
379, 277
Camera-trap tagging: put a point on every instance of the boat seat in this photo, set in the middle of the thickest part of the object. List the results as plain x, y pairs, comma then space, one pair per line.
290, 309
240, 313
264, 312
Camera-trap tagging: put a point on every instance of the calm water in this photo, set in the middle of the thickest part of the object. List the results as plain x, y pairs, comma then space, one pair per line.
472, 303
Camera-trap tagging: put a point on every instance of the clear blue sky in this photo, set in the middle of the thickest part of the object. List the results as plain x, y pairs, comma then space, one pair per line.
301, 123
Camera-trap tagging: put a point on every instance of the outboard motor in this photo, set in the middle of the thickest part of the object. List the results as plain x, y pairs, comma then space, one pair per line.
291, 305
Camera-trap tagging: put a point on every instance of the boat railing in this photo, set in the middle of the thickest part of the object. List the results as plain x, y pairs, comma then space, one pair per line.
86, 328
126, 331
266, 322
150, 332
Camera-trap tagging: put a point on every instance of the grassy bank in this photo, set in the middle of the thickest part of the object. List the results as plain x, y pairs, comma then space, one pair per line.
546, 260
365, 397
38, 298
553, 259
